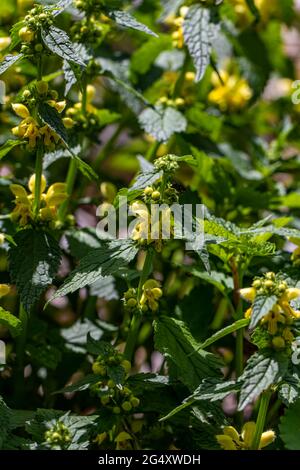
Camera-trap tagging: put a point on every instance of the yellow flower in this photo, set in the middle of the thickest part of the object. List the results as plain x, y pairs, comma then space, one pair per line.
100, 438
122, 441
231, 95
20, 110
232, 440
26, 34
4, 290
2, 238
141, 229
177, 24
151, 293
49, 201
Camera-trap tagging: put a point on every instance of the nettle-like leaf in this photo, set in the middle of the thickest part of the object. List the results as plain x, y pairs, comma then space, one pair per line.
59, 43
125, 19
162, 122
143, 58
8, 61
9, 145
147, 176
197, 32
98, 263
60, 6
263, 369
289, 427
33, 264
190, 363
51, 117
262, 305
289, 389
11, 322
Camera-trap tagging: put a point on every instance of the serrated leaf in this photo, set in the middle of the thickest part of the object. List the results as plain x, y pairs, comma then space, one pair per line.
85, 168
99, 348
289, 390
213, 390
145, 178
170, 7
262, 305
45, 355
9, 145
161, 123
52, 118
52, 157
123, 18
289, 427
174, 340
11, 322
81, 242
117, 374
59, 43
33, 264
104, 288
263, 369
8, 61
100, 262
196, 30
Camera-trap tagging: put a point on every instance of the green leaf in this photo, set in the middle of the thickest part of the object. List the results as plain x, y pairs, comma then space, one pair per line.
117, 374
213, 390
263, 369
174, 340
99, 348
218, 279
45, 355
52, 118
289, 427
85, 168
100, 262
123, 18
289, 390
8, 61
225, 331
11, 322
262, 305
81, 242
197, 36
33, 264
5, 421
60, 6
161, 123
14, 34
59, 43
143, 58
253, 8
10, 144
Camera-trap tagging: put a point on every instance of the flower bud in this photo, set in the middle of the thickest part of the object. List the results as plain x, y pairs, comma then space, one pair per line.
4, 43
126, 365
278, 342
126, 405
98, 369
4, 289
108, 190
26, 34
20, 110
148, 191
267, 438
155, 195
68, 122
31, 183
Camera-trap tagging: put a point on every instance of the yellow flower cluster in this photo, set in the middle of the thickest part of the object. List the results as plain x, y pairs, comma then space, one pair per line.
232, 440
147, 227
150, 296
177, 24
49, 201
74, 113
279, 320
231, 93
30, 129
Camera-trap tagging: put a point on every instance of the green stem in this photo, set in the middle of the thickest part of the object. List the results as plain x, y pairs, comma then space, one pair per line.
261, 418
84, 98
137, 318
38, 178
70, 181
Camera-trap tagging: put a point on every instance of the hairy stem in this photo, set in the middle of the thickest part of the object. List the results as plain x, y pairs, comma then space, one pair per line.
136, 319
261, 418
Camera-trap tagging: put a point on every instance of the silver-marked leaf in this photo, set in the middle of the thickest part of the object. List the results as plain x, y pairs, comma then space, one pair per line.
161, 123
99, 262
8, 61
33, 264
197, 37
51, 117
147, 176
123, 18
59, 42
60, 6
170, 7
262, 305
262, 371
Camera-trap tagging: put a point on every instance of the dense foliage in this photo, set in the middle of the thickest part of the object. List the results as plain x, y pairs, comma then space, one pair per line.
147, 342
